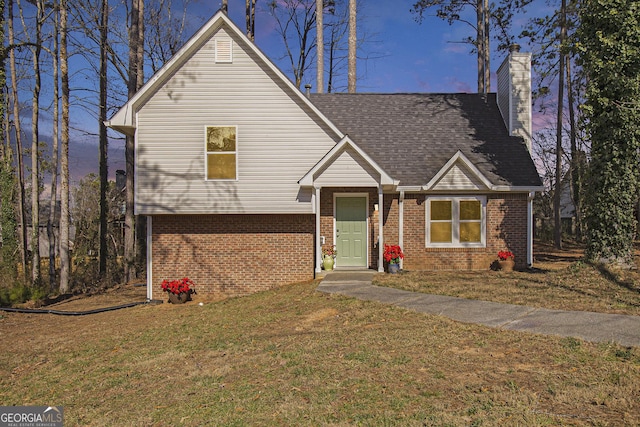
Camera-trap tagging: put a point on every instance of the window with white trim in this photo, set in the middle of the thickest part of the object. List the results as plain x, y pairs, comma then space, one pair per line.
221, 152
456, 221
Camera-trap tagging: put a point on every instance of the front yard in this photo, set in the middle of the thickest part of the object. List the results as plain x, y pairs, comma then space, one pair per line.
294, 356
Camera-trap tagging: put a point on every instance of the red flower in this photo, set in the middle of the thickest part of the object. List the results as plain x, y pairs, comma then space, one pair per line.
503, 255
393, 254
178, 286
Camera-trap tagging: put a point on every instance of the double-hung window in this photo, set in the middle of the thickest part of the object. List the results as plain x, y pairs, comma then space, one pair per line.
456, 221
221, 152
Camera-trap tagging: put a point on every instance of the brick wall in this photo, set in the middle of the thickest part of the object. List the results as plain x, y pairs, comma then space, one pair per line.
506, 229
241, 254
232, 254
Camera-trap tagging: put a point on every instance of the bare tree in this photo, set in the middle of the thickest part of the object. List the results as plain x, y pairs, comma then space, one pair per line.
134, 80
295, 20
36, 48
250, 8
164, 31
103, 141
320, 44
55, 142
557, 230
65, 265
18, 138
352, 46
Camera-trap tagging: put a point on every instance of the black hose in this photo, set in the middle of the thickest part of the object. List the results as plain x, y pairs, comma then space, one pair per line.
71, 313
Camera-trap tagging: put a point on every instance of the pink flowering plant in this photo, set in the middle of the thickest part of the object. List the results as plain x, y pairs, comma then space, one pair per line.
329, 250
504, 255
184, 285
393, 254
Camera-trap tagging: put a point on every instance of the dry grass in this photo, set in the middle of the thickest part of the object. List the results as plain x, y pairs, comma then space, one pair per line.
294, 356
558, 280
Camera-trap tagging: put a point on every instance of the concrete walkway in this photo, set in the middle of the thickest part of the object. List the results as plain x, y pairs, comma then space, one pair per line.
596, 327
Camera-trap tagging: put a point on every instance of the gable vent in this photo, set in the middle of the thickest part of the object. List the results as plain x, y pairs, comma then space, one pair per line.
224, 52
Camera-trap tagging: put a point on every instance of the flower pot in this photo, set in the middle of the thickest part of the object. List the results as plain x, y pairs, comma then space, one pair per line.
327, 262
393, 268
506, 264
180, 298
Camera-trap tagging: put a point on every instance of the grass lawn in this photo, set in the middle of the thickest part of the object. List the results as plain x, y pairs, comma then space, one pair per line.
294, 356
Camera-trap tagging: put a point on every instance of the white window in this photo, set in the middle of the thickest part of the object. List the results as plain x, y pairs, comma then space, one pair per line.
221, 152
456, 221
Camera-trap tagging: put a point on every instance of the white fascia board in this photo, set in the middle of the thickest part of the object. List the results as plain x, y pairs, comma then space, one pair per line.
307, 180
125, 117
457, 157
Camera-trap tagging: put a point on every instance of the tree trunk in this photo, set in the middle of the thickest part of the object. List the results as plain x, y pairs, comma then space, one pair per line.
54, 161
487, 52
576, 164
103, 141
320, 45
65, 265
22, 215
35, 156
140, 221
352, 47
480, 44
7, 180
557, 229
250, 17
135, 78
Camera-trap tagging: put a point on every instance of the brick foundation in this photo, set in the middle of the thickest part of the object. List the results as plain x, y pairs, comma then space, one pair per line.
232, 255
506, 230
235, 255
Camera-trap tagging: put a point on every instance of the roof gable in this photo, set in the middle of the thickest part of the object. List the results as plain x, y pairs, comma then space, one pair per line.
458, 174
124, 120
353, 159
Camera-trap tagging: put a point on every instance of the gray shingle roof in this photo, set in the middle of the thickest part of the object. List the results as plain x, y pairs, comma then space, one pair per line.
412, 136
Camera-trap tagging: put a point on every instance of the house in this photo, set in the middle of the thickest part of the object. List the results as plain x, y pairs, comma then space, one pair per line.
243, 178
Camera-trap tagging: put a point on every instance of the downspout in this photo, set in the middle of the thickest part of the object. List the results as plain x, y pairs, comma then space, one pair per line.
530, 228
316, 207
380, 228
401, 223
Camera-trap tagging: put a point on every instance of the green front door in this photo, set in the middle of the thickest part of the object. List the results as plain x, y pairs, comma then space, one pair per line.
351, 231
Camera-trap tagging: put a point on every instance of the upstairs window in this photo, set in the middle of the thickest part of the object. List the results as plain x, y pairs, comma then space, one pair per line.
456, 221
221, 152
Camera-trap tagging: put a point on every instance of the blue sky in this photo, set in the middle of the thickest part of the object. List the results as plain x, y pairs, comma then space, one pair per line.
411, 57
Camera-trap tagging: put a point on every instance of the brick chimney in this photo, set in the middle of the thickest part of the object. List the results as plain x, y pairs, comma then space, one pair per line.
514, 93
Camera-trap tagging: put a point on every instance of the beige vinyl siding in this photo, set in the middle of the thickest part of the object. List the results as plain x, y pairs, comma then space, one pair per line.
521, 92
514, 94
349, 168
277, 143
459, 178
503, 92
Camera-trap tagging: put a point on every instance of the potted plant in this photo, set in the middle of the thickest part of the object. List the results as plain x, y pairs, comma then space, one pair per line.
506, 260
179, 290
393, 254
329, 253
